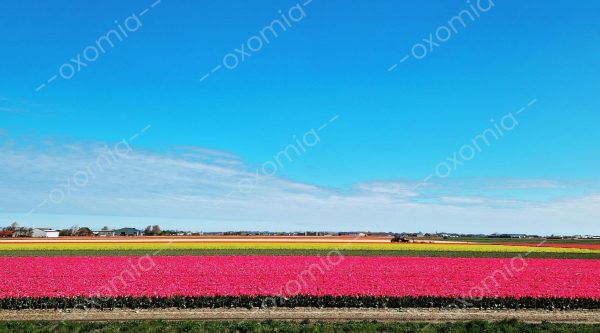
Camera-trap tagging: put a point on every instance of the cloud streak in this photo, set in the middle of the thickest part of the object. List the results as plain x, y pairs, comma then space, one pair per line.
200, 189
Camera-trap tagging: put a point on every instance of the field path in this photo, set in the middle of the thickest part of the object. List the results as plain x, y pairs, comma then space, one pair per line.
406, 315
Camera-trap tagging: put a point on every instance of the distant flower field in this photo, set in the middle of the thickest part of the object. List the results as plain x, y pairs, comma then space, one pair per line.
151, 246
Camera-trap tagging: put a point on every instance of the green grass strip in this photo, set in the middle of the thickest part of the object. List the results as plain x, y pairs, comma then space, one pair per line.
288, 326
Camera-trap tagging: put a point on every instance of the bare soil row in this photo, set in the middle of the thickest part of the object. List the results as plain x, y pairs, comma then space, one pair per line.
299, 314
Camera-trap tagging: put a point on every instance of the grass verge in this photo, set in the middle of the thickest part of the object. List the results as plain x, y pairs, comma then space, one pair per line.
287, 326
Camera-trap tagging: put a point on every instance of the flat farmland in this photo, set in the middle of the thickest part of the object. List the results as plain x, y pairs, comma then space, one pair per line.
46, 278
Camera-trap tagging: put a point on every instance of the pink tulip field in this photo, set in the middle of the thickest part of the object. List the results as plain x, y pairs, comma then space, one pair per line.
299, 275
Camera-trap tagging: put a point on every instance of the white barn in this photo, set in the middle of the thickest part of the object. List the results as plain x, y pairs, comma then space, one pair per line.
44, 232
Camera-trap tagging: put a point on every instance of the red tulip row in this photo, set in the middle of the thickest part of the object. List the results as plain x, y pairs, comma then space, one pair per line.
459, 278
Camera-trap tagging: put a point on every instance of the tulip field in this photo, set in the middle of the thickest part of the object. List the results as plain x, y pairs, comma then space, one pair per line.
334, 278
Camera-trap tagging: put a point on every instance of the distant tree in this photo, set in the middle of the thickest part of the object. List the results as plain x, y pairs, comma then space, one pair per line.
104, 228
84, 231
22, 232
65, 232
148, 231
156, 229
169, 232
74, 229
18, 231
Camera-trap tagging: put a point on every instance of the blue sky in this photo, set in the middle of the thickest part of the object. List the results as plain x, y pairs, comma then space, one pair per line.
408, 93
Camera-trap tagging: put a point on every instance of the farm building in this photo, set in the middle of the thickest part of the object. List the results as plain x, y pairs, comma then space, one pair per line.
104, 233
44, 232
128, 232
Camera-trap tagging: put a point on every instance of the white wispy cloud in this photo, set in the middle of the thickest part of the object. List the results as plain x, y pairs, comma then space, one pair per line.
215, 190
392, 189
463, 200
528, 184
